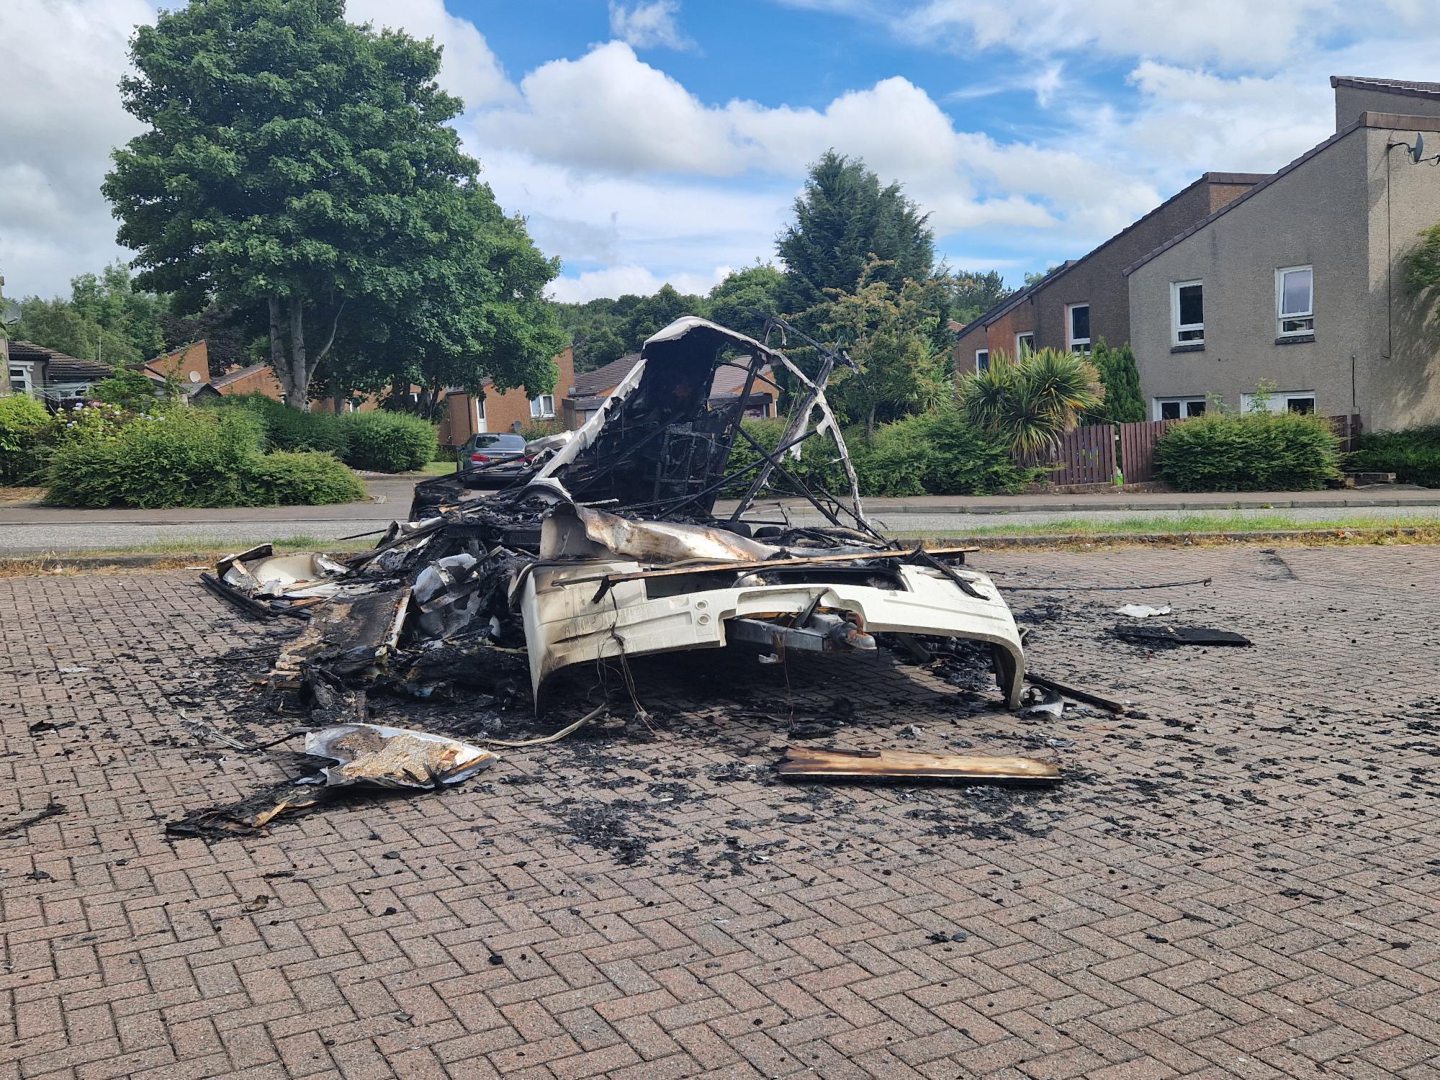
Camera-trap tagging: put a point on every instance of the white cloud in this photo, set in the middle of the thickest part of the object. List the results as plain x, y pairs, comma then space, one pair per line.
639, 280
468, 67
648, 24
61, 117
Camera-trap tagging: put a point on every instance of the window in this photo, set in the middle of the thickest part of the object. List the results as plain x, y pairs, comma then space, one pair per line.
542, 407
1296, 401
1178, 408
1077, 327
982, 359
1024, 343
20, 378
1295, 300
1187, 312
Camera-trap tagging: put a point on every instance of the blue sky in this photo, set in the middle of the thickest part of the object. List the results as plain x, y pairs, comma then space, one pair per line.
663, 140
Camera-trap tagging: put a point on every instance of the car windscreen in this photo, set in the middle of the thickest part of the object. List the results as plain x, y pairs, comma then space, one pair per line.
499, 442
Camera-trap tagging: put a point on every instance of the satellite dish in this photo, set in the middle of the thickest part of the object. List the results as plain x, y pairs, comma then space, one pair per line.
1418, 150
194, 376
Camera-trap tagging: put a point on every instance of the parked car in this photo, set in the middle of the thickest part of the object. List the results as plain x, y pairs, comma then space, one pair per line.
492, 459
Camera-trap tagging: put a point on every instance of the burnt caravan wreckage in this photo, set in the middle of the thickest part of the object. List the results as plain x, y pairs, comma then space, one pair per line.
610, 547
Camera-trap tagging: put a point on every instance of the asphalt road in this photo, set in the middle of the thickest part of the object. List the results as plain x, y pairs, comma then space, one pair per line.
246, 529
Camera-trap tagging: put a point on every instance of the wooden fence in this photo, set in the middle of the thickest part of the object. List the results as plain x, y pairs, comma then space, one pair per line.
1087, 455
1137, 449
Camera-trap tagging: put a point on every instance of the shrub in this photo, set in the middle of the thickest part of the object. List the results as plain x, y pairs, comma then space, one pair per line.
938, 453
1030, 402
23, 423
817, 465
305, 478
188, 457
133, 390
1255, 451
388, 441
1120, 377
1413, 456
288, 428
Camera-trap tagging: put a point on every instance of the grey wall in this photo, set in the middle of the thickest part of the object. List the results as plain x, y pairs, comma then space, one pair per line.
1399, 376
1317, 214
1351, 102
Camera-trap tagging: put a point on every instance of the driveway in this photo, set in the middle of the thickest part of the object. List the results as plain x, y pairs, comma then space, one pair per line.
1237, 878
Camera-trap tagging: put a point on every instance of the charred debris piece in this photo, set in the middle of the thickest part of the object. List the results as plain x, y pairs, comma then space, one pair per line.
608, 545
1169, 635
363, 755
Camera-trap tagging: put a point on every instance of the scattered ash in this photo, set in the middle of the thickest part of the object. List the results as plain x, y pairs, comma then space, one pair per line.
609, 827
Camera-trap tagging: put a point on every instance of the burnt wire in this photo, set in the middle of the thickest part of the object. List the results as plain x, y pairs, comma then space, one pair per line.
1105, 588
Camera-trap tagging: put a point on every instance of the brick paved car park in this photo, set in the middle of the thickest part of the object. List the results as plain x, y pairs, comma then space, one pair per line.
1237, 879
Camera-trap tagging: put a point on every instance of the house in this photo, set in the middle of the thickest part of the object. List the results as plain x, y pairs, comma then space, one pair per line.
590, 390
468, 414
1085, 300
188, 365
1295, 287
255, 379
51, 375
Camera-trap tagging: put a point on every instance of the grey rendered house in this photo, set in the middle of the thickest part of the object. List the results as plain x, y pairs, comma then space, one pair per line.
1296, 285
1084, 300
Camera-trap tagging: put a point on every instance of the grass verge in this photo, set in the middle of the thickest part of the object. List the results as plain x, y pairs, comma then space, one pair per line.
1192, 524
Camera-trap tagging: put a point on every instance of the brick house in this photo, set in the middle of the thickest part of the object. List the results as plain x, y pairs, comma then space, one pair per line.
468, 414
1297, 284
1086, 299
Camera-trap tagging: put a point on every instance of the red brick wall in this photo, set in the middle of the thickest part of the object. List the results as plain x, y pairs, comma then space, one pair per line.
180, 365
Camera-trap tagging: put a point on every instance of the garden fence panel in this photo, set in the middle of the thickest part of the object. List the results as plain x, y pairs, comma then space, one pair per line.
1137, 449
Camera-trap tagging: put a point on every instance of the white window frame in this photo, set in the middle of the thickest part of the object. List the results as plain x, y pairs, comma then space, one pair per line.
1024, 342
26, 376
1182, 400
978, 354
1178, 330
1282, 316
1280, 400
1072, 343
542, 407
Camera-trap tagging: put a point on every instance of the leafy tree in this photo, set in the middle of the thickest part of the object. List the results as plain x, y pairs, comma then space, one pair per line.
972, 293
891, 333
747, 297
1120, 377
227, 342
1030, 402
134, 391
844, 219
105, 319
1036, 276
1422, 263
657, 311
300, 169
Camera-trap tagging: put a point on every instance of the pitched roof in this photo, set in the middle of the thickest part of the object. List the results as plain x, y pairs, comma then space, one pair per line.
1394, 86
239, 373
1261, 186
1015, 298
59, 367
605, 378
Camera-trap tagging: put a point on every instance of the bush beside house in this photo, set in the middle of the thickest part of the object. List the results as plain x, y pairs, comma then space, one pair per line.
936, 453
1413, 456
22, 422
1255, 451
374, 441
186, 457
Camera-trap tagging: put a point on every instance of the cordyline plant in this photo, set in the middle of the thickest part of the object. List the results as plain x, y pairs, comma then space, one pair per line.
1029, 403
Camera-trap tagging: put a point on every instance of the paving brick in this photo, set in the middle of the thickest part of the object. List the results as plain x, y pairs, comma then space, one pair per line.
1236, 880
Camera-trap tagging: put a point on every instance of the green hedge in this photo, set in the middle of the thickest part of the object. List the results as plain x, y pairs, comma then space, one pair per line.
375, 441
1256, 451
190, 457
291, 429
23, 421
388, 441
939, 453
1413, 455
